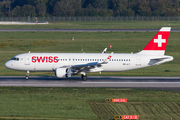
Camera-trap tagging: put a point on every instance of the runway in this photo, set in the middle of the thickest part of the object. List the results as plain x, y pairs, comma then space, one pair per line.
84, 30
165, 83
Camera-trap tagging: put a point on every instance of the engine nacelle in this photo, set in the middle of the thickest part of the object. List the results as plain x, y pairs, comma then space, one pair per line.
60, 72
69, 72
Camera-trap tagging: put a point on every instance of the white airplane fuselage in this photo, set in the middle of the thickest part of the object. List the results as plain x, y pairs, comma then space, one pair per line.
50, 61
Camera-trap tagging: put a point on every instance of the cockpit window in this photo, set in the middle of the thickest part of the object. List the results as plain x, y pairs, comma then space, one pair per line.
15, 58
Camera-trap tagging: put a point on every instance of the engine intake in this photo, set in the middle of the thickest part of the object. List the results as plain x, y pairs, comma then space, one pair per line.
63, 72
60, 72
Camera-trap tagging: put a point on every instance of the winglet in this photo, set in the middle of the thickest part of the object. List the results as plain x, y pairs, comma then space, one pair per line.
108, 58
104, 51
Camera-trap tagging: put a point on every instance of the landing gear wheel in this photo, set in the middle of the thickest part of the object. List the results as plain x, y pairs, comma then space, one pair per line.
27, 77
84, 77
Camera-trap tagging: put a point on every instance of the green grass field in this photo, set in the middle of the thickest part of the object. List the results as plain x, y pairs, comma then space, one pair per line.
13, 43
99, 25
87, 103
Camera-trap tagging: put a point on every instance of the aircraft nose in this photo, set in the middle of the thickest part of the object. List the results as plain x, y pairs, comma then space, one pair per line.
7, 64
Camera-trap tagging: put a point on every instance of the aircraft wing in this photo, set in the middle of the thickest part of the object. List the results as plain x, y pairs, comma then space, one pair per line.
83, 65
89, 67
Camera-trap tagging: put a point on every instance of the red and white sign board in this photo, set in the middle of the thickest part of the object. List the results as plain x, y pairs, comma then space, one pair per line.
119, 100
110, 46
130, 117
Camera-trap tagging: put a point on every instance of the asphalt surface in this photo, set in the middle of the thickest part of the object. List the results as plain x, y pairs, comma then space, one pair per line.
87, 30
161, 83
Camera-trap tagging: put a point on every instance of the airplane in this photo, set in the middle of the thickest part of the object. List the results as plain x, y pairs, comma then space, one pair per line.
65, 65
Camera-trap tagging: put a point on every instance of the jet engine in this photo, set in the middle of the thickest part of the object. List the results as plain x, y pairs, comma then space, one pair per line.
60, 72
63, 72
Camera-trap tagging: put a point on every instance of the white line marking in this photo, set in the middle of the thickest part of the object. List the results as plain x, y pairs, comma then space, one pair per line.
135, 82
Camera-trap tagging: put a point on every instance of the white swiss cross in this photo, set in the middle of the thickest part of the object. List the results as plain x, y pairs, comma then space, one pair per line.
159, 40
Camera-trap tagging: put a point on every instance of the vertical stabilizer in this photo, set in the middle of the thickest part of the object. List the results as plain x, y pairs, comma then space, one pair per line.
158, 44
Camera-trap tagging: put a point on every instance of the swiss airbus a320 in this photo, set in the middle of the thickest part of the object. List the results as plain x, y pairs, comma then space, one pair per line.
67, 64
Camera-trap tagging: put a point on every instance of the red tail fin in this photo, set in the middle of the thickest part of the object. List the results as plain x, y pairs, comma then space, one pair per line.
159, 42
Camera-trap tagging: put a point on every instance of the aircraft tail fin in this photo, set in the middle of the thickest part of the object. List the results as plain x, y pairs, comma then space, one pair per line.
157, 45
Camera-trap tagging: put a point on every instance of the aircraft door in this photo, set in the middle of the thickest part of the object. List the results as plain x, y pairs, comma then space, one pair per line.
27, 60
138, 60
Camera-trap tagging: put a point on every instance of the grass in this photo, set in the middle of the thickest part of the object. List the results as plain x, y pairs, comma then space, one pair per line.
86, 103
99, 25
146, 110
13, 43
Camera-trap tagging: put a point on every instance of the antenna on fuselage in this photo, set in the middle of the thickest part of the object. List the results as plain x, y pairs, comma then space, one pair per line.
29, 52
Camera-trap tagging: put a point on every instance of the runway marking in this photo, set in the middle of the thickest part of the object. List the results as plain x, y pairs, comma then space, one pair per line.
134, 82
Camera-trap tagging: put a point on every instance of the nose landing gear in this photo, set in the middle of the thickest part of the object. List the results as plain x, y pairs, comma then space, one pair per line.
27, 75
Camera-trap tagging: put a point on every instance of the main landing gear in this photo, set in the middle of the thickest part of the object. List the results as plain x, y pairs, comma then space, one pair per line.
84, 77
27, 75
